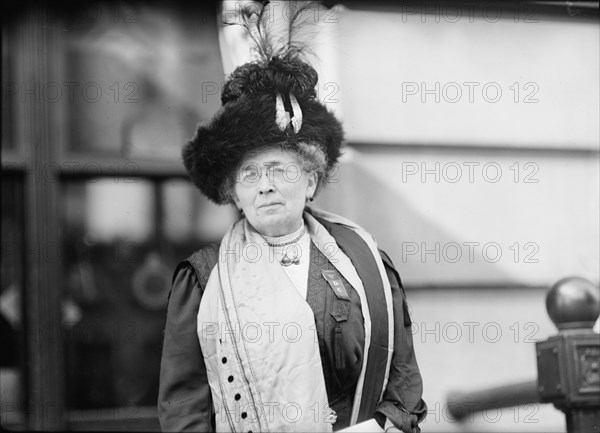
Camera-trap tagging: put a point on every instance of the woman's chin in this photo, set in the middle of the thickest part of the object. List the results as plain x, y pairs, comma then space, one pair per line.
272, 225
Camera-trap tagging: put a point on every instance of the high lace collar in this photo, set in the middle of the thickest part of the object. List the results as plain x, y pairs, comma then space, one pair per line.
285, 239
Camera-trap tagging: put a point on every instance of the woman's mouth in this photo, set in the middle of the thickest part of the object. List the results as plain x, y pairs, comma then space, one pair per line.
269, 205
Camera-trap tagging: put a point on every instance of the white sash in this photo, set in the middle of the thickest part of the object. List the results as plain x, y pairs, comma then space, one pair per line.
259, 343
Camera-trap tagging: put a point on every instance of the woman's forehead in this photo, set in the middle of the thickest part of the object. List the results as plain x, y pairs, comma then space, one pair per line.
269, 157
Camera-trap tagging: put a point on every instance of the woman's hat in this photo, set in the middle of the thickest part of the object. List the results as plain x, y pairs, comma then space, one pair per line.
270, 102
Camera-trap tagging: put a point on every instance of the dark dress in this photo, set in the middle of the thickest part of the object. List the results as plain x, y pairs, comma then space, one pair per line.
184, 396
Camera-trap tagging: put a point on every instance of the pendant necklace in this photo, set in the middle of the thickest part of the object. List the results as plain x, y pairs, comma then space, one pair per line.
291, 255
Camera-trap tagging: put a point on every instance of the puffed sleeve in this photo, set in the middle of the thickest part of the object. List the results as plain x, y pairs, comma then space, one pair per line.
184, 399
402, 403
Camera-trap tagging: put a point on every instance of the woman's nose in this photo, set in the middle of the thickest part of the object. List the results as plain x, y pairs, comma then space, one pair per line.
265, 184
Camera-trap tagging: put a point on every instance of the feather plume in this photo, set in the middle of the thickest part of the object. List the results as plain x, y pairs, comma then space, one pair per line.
271, 39
281, 41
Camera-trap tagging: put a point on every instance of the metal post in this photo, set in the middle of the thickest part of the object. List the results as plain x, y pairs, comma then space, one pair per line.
568, 363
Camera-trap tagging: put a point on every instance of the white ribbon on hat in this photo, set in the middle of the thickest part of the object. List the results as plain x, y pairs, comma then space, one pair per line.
282, 117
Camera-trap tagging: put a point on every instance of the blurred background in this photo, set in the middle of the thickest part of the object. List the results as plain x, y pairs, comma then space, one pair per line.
472, 156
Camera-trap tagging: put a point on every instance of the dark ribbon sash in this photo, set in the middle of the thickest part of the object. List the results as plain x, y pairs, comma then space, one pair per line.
361, 257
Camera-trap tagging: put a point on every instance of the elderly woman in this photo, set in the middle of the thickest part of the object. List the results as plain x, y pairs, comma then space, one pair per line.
295, 321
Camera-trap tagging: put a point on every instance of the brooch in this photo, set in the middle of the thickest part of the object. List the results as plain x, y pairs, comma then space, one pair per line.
331, 417
290, 258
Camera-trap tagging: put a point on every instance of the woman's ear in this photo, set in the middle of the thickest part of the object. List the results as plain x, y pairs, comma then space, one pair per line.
311, 187
236, 201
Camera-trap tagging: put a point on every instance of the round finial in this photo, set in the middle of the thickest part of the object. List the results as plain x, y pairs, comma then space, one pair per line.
573, 303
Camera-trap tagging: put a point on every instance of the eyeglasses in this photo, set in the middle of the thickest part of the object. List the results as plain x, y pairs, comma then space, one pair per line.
251, 174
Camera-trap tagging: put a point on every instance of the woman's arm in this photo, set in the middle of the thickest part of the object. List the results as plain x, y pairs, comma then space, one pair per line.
402, 403
184, 399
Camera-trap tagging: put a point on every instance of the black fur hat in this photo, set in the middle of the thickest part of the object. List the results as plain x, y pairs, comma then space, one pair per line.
250, 118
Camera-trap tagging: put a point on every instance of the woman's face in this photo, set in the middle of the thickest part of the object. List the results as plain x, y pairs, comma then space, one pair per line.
271, 188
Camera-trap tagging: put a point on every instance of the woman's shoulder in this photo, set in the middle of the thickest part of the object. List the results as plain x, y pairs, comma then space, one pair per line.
205, 257
196, 268
386, 259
